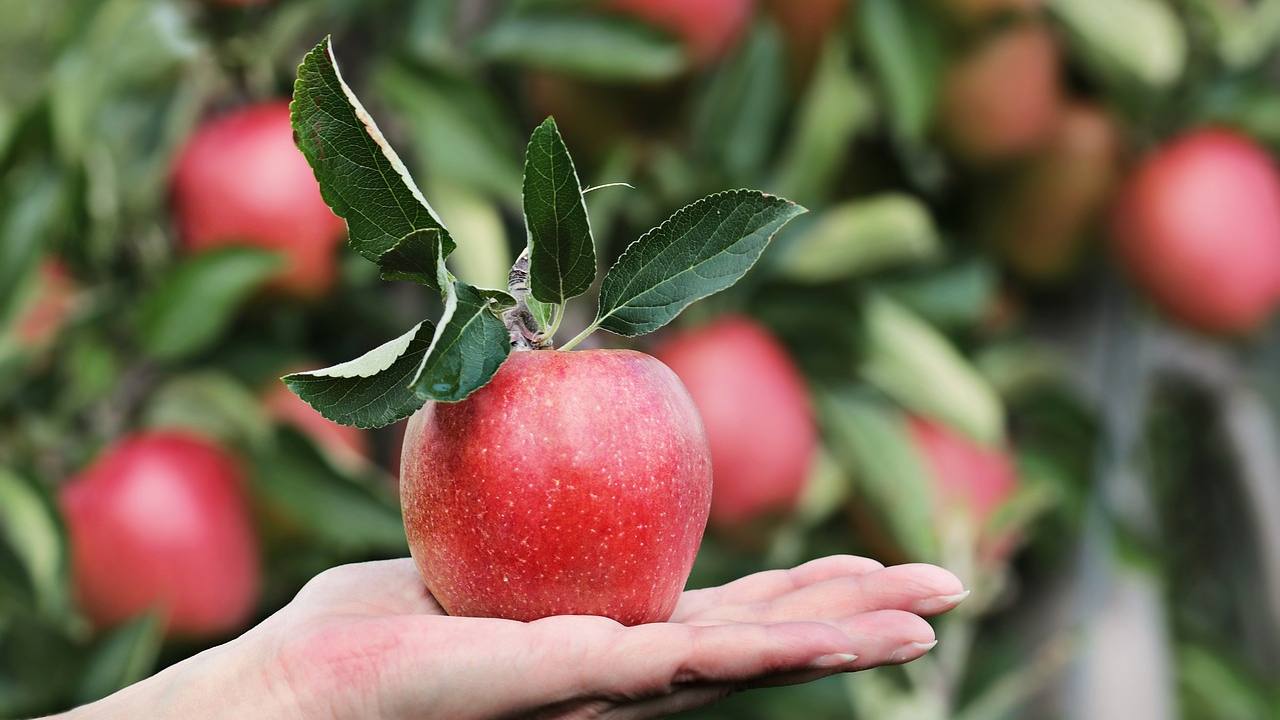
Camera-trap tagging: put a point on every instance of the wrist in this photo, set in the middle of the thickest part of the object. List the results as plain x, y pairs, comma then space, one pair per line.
231, 680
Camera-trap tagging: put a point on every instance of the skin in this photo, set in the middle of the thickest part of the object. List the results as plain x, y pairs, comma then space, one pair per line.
1198, 227
368, 642
573, 483
1000, 100
240, 180
159, 520
762, 440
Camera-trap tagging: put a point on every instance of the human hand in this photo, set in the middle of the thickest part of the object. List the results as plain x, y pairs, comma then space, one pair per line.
368, 641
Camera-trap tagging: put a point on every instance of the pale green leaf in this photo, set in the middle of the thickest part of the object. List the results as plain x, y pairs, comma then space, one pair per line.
860, 237
603, 47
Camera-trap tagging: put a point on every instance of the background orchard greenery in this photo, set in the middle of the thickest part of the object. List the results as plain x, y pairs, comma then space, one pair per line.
961, 161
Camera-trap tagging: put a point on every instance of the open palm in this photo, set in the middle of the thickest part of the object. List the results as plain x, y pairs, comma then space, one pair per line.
369, 641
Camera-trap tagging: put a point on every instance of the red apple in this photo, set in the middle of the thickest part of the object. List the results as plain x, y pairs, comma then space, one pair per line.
1001, 99
968, 478
573, 483
345, 444
1042, 217
159, 521
241, 181
45, 310
709, 28
757, 412
1199, 228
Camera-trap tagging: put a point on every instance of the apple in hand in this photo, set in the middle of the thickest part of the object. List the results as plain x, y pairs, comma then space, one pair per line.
239, 180
1198, 227
967, 478
159, 521
1000, 100
708, 28
757, 413
574, 483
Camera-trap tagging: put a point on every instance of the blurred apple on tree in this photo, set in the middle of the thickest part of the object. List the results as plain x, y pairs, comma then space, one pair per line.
159, 522
1001, 98
44, 311
1198, 227
708, 28
969, 479
345, 444
757, 413
240, 180
1041, 217
806, 26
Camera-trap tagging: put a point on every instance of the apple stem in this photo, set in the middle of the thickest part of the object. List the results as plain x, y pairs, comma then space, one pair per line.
580, 337
522, 326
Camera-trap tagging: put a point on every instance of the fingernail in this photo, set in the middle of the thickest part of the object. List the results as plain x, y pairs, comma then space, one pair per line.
832, 660
940, 603
911, 651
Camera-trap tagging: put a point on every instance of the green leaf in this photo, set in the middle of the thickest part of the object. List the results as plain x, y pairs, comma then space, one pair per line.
212, 403
32, 531
415, 257
191, 307
837, 107
1127, 40
860, 237
906, 358
873, 441
598, 46
562, 256
952, 296
31, 202
739, 113
469, 345
360, 176
700, 250
124, 656
374, 389
904, 44
341, 511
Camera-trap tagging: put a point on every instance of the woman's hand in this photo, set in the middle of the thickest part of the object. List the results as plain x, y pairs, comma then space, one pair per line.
367, 641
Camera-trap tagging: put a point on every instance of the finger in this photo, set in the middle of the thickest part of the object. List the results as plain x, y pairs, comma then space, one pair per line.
886, 637
917, 588
380, 587
765, 585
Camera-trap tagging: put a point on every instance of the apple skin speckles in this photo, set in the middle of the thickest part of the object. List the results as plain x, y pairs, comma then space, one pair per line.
593, 504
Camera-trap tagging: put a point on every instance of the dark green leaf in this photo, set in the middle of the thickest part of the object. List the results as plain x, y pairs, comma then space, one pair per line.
31, 201
360, 176
124, 656
700, 250
339, 510
374, 389
954, 296
469, 346
740, 112
415, 257
596, 46
194, 303
903, 42
562, 256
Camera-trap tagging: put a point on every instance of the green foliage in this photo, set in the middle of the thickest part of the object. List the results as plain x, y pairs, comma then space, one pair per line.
700, 250
597, 46
562, 255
